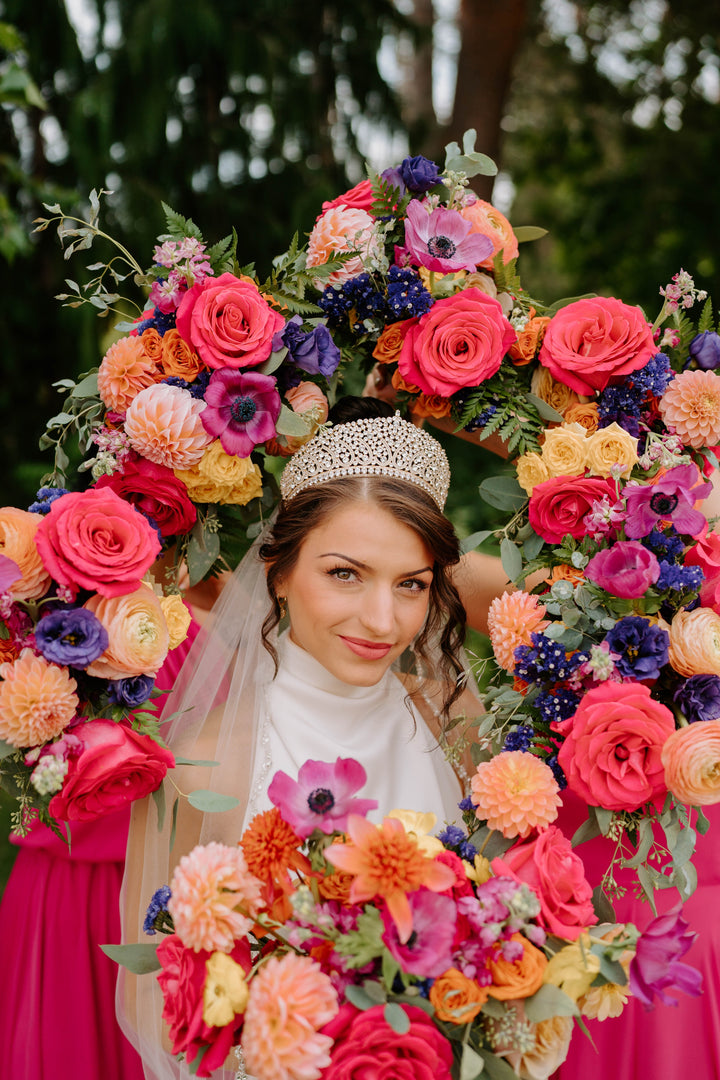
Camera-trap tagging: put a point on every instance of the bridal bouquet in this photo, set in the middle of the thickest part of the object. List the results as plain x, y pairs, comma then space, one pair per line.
323, 939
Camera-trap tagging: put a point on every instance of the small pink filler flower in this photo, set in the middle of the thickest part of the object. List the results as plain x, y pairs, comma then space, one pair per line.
321, 797
515, 792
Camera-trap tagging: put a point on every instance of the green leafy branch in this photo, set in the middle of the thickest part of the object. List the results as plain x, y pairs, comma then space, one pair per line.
81, 414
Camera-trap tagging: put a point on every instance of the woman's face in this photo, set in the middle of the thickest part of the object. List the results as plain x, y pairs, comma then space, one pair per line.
358, 593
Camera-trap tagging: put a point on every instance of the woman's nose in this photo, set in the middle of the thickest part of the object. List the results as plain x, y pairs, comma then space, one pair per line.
378, 611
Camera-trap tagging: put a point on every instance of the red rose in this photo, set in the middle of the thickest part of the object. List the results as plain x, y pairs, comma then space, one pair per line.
460, 342
705, 553
115, 766
228, 322
96, 540
182, 981
551, 868
611, 753
367, 1048
359, 197
156, 492
592, 343
558, 506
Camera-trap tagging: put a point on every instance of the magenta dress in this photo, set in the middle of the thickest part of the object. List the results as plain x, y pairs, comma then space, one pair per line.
57, 987
662, 1042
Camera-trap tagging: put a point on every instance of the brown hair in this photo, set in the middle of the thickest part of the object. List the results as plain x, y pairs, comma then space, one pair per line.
410, 505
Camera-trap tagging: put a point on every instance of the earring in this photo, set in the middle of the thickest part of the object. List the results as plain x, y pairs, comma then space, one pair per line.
282, 604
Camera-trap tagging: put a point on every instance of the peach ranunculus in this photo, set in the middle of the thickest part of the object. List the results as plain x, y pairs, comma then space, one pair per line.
178, 359
695, 642
222, 478
515, 792
691, 408
389, 343
609, 446
125, 370
139, 637
592, 343
343, 229
691, 757
290, 1000
542, 1047
564, 450
308, 401
531, 471
178, 618
584, 413
37, 700
553, 393
163, 424
611, 755
456, 998
228, 322
95, 540
528, 340
17, 542
521, 978
487, 220
459, 342
512, 618
215, 898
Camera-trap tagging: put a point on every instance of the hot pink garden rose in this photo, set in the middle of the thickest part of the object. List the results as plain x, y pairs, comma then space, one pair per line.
551, 868
359, 197
228, 322
592, 343
705, 553
558, 506
115, 766
156, 492
95, 540
611, 755
626, 569
460, 342
367, 1048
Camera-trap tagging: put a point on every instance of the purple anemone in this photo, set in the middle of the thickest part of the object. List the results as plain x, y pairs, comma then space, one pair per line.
322, 796
241, 409
441, 240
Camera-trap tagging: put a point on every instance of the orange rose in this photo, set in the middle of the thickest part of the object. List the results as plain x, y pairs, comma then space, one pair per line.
528, 339
178, 358
517, 978
390, 341
400, 384
565, 572
584, 413
431, 405
8, 650
456, 998
691, 758
17, 542
336, 886
152, 344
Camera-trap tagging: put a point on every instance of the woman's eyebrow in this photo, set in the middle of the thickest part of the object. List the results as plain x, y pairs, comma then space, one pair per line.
364, 566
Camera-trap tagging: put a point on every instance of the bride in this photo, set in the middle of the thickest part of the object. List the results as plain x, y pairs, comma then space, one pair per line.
356, 574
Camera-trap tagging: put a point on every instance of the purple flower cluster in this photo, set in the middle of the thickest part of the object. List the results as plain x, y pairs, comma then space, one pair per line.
162, 321
156, 916
501, 908
556, 705
455, 839
197, 387
545, 661
407, 296
44, 499
130, 692
313, 351
623, 404
520, 738
665, 544
678, 578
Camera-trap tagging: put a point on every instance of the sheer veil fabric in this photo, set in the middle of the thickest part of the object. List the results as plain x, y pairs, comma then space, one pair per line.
220, 700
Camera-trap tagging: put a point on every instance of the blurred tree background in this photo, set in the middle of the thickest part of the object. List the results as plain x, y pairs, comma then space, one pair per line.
602, 115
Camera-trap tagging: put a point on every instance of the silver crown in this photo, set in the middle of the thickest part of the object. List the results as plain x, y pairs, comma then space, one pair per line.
377, 446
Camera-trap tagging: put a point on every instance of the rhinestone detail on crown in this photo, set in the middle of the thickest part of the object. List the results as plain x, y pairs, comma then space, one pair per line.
376, 446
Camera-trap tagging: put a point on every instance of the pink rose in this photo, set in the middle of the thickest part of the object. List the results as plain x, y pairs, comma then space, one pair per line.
558, 506
359, 197
592, 343
611, 755
705, 553
115, 766
367, 1048
156, 492
95, 540
626, 569
228, 322
460, 342
551, 868
182, 981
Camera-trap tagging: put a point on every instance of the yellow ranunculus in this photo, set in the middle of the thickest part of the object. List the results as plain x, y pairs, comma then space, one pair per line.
420, 826
177, 616
573, 968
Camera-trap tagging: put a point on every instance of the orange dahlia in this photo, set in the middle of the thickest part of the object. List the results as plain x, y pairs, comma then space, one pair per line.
512, 618
515, 792
37, 700
691, 406
126, 369
163, 424
271, 849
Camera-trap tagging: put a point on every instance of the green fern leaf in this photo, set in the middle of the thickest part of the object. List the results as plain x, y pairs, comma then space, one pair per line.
178, 226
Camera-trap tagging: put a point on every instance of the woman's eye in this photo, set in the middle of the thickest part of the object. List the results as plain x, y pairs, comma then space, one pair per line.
342, 573
414, 585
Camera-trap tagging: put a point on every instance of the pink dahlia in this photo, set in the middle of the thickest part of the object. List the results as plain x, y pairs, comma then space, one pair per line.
512, 619
164, 425
515, 792
242, 408
321, 797
214, 898
691, 407
443, 240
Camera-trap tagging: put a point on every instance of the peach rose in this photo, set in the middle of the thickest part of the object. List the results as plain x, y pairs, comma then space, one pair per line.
609, 446
528, 340
695, 642
37, 700
487, 220
178, 358
390, 341
554, 393
584, 413
517, 978
343, 229
531, 471
228, 322
17, 542
139, 636
460, 342
564, 450
691, 757
590, 344
457, 999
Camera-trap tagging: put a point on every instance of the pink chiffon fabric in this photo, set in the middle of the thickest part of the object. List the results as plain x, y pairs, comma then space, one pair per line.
672, 1042
57, 987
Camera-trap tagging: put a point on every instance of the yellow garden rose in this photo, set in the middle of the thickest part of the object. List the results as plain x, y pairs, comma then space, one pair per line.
556, 394
565, 450
609, 446
531, 470
222, 478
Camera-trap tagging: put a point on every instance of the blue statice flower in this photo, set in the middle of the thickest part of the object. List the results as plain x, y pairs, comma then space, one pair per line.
546, 661
452, 836
641, 646
335, 304
557, 772
655, 377
407, 296
699, 697
677, 577
467, 851
665, 544
130, 692
162, 321
466, 804
557, 704
481, 419
519, 739
359, 294
44, 499
623, 403
71, 636
197, 387
157, 912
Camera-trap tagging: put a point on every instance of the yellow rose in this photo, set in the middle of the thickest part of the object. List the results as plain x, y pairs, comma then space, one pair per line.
177, 616
556, 394
609, 446
565, 450
420, 826
695, 642
531, 470
222, 478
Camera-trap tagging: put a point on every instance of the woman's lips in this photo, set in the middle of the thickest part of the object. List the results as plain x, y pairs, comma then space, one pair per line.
368, 650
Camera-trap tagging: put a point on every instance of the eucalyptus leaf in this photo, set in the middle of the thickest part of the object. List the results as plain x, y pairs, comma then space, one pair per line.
547, 1002
497, 1068
523, 233
6, 750
648, 886
612, 970
173, 824
502, 492
587, 831
87, 387
212, 802
140, 959
511, 559
291, 423
533, 546
471, 1064
474, 540
546, 411
273, 362
701, 824
359, 997
195, 761
158, 796
202, 552
397, 1018
602, 906
604, 819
